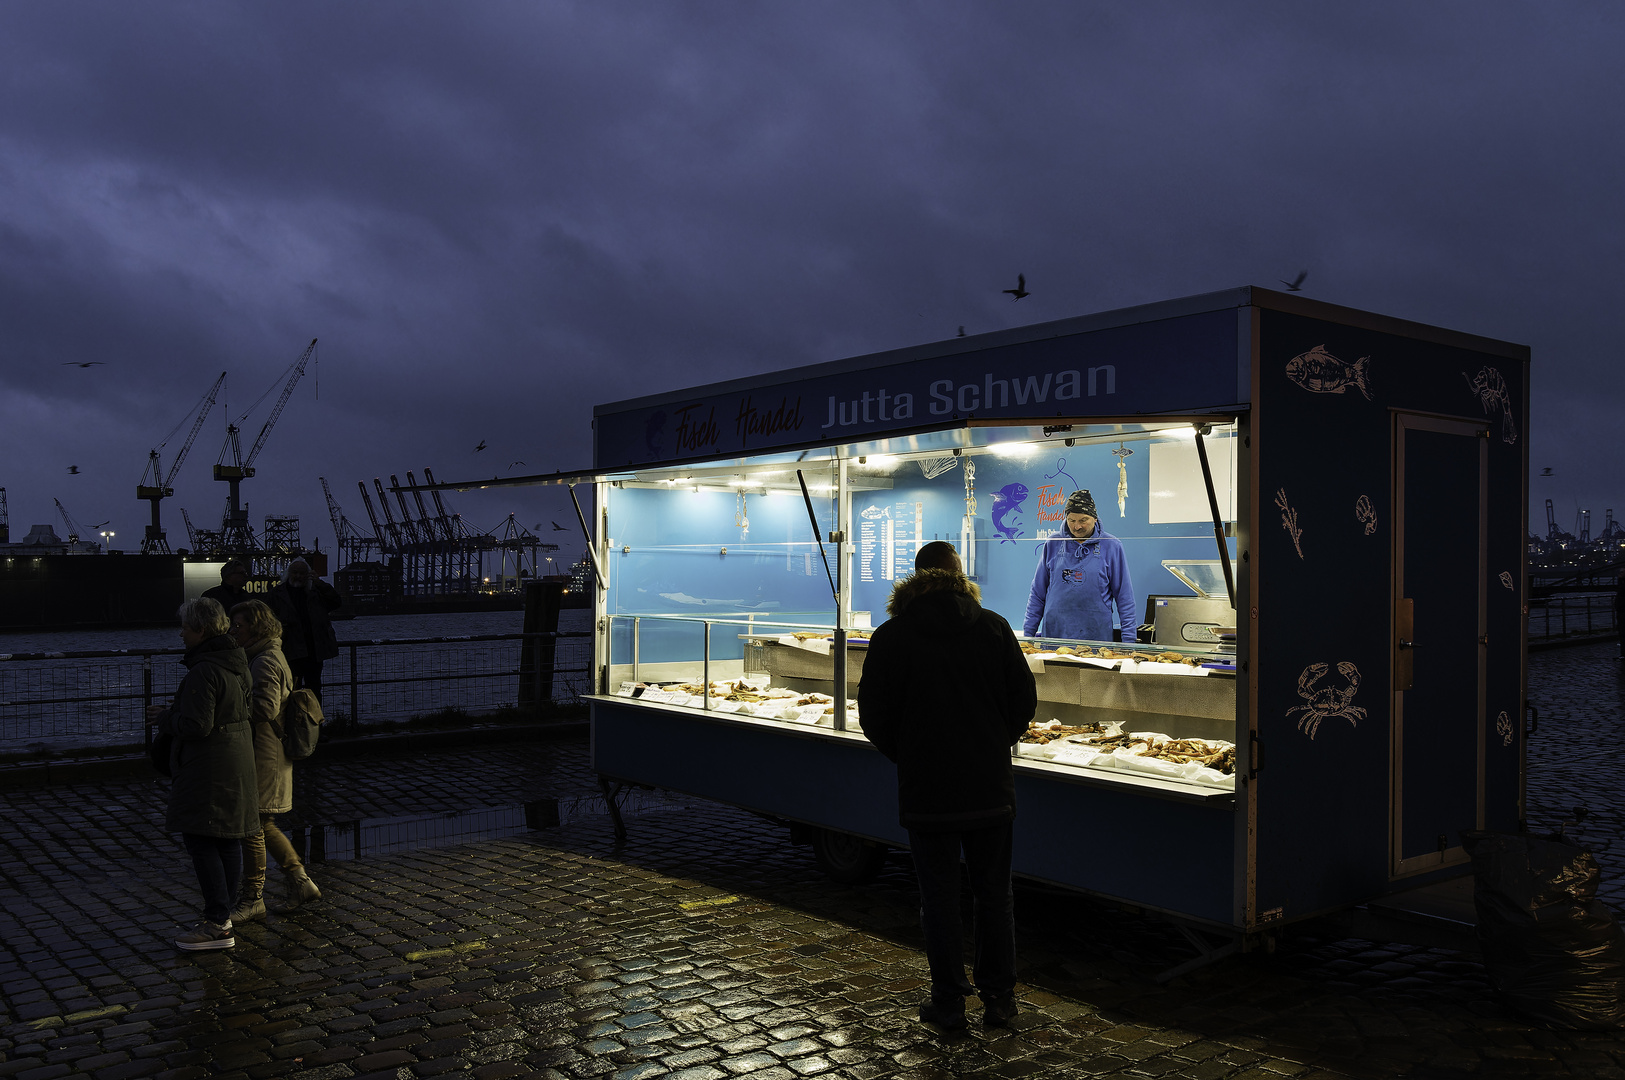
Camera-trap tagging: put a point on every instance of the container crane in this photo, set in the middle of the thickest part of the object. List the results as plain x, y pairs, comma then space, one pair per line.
155, 482
5, 519
351, 544
236, 534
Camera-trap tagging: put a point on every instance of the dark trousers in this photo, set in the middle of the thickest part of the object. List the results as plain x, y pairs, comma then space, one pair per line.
219, 866
987, 858
307, 674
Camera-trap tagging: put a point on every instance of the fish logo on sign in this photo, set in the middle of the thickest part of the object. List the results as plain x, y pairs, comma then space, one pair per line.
1319, 372
1007, 500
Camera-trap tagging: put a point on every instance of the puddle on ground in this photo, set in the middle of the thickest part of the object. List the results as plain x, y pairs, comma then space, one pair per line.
344, 840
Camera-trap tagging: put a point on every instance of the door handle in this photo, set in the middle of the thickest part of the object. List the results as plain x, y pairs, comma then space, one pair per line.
1403, 644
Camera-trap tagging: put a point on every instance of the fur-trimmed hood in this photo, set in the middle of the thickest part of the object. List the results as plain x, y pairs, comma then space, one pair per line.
925, 582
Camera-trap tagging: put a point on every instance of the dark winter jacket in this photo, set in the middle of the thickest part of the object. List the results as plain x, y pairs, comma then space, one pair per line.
227, 596
213, 790
307, 632
945, 693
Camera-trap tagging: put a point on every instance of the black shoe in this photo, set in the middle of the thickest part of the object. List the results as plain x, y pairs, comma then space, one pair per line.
949, 1016
999, 1011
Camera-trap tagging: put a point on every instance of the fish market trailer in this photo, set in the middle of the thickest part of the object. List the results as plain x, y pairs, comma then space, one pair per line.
1322, 512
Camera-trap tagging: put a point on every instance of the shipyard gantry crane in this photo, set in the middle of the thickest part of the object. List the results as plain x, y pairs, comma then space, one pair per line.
236, 535
155, 482
5, 519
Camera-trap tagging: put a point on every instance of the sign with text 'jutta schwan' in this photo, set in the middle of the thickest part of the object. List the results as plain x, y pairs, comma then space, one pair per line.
1186, 363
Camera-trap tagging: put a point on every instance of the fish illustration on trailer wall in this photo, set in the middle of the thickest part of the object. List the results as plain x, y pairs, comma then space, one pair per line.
1320, 372
1007, 503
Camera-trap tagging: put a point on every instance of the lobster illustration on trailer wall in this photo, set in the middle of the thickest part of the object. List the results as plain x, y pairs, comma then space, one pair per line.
1493, 394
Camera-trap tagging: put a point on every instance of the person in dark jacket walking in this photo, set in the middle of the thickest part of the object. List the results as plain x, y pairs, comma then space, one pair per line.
302, 603
212, 796
945, 693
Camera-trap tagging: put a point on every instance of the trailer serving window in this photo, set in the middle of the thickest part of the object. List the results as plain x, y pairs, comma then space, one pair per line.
745, 588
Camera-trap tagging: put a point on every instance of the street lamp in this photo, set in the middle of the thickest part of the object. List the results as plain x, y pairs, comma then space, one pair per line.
107, 538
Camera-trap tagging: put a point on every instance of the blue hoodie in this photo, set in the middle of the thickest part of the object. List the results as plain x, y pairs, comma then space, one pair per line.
1074, 588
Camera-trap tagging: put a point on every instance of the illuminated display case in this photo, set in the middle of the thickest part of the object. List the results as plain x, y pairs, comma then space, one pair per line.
1328, 683
722, 598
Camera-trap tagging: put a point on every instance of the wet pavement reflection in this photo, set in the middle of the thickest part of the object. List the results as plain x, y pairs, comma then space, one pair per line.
478, 919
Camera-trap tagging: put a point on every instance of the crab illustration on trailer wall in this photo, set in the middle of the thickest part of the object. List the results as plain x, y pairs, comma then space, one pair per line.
1325, 702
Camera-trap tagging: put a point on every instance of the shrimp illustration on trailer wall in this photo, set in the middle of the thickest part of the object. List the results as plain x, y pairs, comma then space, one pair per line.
1366, 514
1289, 520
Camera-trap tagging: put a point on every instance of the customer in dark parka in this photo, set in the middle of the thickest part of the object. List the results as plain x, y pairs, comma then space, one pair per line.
945, 693
213, 797
303, 603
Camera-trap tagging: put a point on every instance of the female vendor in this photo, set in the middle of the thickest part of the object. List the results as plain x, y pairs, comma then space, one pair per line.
1081, 574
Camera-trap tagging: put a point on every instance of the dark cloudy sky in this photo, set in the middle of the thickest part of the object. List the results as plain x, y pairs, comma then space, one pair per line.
495, 215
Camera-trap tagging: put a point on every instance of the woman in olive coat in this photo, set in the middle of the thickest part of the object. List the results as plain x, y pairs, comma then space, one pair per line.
256, 628
212, 795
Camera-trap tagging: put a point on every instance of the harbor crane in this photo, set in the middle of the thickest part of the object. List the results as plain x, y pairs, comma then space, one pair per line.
236, 535
352, 544
5, 519
75, 530
155, 482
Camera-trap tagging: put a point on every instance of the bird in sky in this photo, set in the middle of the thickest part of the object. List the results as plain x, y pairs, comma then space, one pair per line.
511, 464
480, 447
83, 363
1021, 287
1547, 471
961, 332
73, 470
1295, 285
559, 528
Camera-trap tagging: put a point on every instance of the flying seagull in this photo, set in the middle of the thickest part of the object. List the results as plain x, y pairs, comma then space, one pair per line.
559, 528
1021, 287
1547, 471
83, 363
511, 464
73, 470
1295, 285
480, 447
961, 331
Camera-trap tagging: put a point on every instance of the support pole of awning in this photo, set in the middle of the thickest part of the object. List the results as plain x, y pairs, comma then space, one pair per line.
597, 570
1218, 522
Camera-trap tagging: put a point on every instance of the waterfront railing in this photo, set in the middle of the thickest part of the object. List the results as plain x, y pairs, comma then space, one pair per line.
66, 702
1568, 617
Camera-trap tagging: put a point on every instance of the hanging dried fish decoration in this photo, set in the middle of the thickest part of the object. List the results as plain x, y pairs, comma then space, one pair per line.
1122, 453
742, 515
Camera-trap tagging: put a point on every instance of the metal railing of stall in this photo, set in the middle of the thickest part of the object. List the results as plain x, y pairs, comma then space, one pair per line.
97, 701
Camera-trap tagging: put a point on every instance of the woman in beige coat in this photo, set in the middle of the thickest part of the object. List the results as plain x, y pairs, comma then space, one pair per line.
257, 629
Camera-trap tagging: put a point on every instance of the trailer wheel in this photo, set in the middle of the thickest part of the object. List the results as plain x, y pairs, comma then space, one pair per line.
848, 859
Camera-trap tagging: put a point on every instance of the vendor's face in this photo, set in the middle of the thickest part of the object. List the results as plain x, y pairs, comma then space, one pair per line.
1080, 525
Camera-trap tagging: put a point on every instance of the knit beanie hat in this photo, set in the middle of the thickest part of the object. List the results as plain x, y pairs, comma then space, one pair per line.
1081, 502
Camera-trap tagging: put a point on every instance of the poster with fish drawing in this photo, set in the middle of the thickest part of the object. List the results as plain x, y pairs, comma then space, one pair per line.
1494, 396
1289, 520
1365, 514
1319, 372
1503, 728
1326, 702
1006, 504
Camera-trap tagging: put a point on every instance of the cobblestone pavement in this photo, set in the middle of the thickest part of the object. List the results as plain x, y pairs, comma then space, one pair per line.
709, 947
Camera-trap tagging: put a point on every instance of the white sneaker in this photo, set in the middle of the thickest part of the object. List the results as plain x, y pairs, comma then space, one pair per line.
207, 935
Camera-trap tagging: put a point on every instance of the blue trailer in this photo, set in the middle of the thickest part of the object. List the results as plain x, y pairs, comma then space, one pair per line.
1323, 509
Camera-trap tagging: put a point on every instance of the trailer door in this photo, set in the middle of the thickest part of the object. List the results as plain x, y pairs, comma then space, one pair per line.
1439, 646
